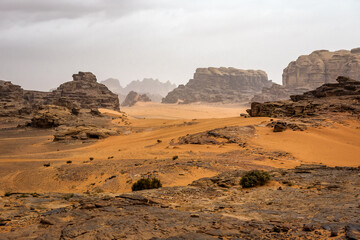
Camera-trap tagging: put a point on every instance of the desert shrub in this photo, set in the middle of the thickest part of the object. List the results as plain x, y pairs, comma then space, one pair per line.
46, 164
91, 158
146, 183
68, 162
175, 157
254, 178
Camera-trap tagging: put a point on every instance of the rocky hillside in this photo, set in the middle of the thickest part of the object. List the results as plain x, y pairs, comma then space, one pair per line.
343, 96
133, 97
220, 85
323, 66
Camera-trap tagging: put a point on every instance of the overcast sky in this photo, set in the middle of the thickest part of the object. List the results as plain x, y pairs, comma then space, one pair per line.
43, 42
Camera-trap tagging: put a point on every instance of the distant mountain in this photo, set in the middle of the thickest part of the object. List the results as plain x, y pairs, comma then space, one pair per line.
113, 84
149, 85
155, 89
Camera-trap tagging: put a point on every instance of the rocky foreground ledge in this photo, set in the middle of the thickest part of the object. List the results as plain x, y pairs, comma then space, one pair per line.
308, 202
341, 97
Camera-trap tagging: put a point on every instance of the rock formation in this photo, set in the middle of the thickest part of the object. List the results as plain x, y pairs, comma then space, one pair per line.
133, 97
311, 71
11, 99
86, 92
343, 96
82, 92
220, 85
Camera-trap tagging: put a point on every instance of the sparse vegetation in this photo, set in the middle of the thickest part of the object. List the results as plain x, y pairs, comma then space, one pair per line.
175, 157
68, 162
146, 183
254, 178
91, 158
46, 164
159, 141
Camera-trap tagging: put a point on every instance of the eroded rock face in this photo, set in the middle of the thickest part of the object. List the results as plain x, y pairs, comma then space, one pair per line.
86, 92
82, 92
219, 85
343, 96
11, 99
133, 97
311, 71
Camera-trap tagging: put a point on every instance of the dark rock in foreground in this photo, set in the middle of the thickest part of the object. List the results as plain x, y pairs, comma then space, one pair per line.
343, 96
308, 202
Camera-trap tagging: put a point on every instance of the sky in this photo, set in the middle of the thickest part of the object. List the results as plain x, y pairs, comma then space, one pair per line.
44, 42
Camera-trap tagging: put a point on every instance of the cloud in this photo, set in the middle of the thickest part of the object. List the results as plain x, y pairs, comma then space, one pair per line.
43, 42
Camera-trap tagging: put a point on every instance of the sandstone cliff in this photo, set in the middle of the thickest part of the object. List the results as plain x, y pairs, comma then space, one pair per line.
220, 85
311, 71
133, 97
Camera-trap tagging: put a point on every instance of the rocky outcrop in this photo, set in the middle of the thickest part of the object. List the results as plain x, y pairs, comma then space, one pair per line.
85, 92
82, 92
343, 96
234, 134
133, 97
311, 71
11, 99
219, 85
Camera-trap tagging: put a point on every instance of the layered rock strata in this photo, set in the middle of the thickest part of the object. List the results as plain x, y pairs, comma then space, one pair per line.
82, 92
322, 66
219, 85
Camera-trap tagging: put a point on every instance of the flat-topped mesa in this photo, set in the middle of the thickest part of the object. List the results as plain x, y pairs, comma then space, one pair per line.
220, 85
322, 66
84, 76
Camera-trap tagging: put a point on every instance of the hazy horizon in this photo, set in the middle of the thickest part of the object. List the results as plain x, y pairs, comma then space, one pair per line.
44, 42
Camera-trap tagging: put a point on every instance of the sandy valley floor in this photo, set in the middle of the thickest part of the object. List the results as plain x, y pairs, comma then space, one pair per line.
114, 163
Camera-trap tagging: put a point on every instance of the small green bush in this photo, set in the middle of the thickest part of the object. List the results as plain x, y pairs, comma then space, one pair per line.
254, 178
146, 183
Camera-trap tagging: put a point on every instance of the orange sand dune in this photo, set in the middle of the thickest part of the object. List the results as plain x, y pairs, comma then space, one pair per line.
139, 152
334, 146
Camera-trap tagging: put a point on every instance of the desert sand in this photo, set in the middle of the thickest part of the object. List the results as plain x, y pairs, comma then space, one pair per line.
146, 150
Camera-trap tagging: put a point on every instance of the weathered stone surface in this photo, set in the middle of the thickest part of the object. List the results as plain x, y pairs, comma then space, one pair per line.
210, 208
133, 97
86, 92
311, 71
343, 96
233, 134
83, 92
219, 85
11, 99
